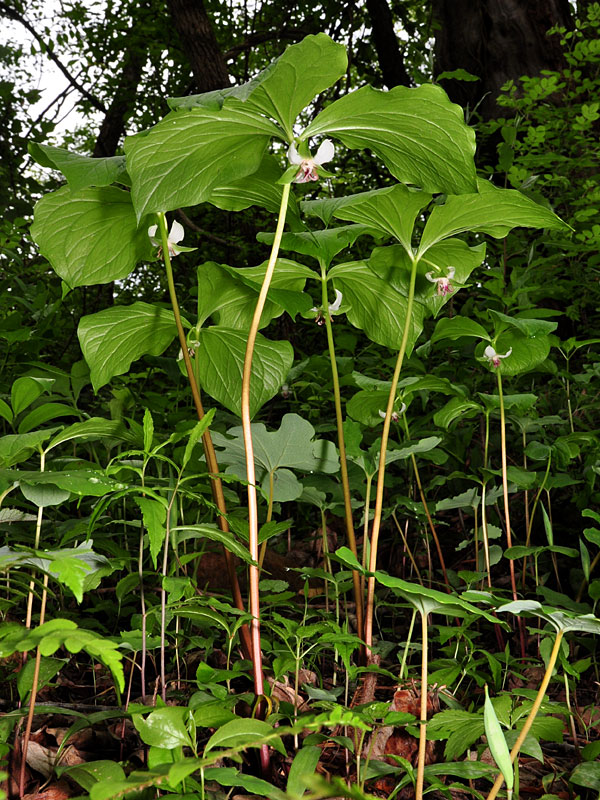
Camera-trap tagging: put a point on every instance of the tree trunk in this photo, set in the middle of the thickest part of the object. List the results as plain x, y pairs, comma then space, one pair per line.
200, 44
497, 40
113, 124
386, 45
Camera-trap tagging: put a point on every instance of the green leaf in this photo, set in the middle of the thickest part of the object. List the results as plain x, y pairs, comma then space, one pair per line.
527, 353
323, 244
6, 412
91, 773
250, 732
304, 765
180, 161
497, 742
43, 414
79, 481
587, 775
154, 515
18, 447
292, 446
93, 429
375, 307
113, 338
220, 360
26, 390
90, 236
418, 133
491, 210
196, 434
456, 408
148, 430
456, 327
43, 496
80, 171
49, 667
164, 727
215, 535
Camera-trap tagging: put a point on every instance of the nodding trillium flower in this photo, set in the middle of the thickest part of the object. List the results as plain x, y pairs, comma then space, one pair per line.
493, 356
395, 414
176, 234
444, 286
309, 167
333, 307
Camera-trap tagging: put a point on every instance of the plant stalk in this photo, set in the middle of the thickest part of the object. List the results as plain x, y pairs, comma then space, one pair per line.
423, 716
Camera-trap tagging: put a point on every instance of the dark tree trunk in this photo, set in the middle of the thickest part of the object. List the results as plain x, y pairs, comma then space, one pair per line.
386, 45
113, 124
200, 45
497, 40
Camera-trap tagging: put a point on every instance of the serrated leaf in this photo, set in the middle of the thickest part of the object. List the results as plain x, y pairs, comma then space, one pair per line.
113, 338
154, 515
180, 160
90, 236
220, 360
418, 133
491, 210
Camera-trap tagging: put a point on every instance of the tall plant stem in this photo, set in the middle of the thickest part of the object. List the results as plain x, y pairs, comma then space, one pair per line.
368, 637
532, 714
249, 448
358, 597
209, 450
423, 715
513, 580
426, 508
532, 516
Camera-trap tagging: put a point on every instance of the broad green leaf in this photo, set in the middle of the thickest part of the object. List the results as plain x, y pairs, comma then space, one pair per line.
422, 446
44, 495
18, 447
229, 776
164, 727
528, 327
375, 307
154, 515
90, 236
7, 413
419, 134
220, 360
113, 338
293, 80
391, 211
293, 446
258, 189
49, 667
201, 616
215, 535
456, 327
189, 153
80, 171
196, 435
93, 429
456, 408
527, 352
148, 430
323, 244
26, 390
250, 732
491, 210
43, 414
497, 742
587, 775
365, 406
559, 619
93, 772
78, 481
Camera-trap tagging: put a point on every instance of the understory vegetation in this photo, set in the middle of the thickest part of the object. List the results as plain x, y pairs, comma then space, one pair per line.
324, 520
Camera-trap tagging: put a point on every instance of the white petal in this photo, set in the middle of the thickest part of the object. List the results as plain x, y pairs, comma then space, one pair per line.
506, 355
152, 231
451, 272
293, 156
382, 414
176, 233
402, 408
489, 352
337, 302
429, 276
325, 152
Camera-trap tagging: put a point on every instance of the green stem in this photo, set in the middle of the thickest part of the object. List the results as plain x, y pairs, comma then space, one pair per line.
407, 645
532, 714
249, 448
209, 450
368, 637
358, 597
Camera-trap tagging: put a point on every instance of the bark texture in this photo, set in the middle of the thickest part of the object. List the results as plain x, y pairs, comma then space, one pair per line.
386, 44
497, 40
113, 124
200, 44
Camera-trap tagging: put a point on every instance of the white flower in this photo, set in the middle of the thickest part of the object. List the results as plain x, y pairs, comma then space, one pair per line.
175, 236
395, 414
493, 356
444, 286
309, 166
332, 308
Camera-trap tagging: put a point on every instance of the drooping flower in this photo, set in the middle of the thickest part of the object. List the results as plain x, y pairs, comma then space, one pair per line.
395, 414
332, 308
493, 356
176, 234
309, 167
444, 286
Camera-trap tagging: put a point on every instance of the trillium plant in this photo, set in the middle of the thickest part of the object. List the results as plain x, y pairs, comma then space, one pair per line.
421, 239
